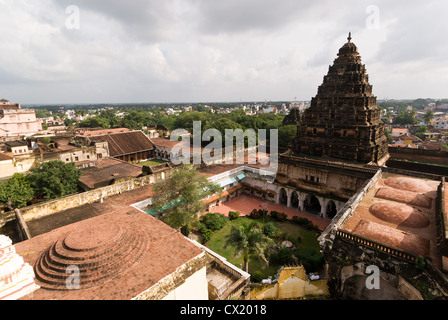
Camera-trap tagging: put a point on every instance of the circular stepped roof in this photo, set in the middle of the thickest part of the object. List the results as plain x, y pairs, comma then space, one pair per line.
100, 253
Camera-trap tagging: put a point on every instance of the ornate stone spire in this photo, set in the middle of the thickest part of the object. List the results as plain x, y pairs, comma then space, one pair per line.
16, 276
343, 120
349, 36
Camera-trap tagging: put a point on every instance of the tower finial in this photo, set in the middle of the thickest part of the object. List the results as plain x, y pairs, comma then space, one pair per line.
349, 36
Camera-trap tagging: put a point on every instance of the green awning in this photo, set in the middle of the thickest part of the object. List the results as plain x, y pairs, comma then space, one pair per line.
241, 176
226, 182
153, 212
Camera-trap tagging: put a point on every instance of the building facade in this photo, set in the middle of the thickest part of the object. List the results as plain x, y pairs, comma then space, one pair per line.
15, 121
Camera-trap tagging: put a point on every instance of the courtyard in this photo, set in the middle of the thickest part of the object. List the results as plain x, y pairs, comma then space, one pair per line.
304, 240
245, 204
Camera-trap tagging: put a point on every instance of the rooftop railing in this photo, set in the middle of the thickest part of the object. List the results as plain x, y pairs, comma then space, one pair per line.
396, 252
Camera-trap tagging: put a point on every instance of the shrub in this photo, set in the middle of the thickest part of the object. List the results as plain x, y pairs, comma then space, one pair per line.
257, 276
281, 216
233, 215
299, 220
185, 230
282, 235
213, 221
254, 214
207, 234
292, 239
420, 263
282, 256
312, 260
305, 223
46, 139
269, 229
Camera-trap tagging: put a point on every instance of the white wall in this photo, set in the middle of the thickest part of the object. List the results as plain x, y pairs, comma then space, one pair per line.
194, 288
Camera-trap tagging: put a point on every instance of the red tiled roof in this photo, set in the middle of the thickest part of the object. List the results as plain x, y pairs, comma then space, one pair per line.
123, 143
162, 142
4, 157
102, 132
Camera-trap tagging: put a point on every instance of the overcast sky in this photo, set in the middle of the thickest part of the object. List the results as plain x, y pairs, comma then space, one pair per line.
115, 51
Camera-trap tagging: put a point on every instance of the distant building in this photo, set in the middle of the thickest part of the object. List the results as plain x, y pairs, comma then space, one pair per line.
407, 140
106, 172
440, 123
127, 145
17, 147
6, 166
396, 132
15, 121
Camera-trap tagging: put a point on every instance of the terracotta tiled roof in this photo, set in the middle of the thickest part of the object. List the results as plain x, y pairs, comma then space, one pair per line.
400, 130
102, 132
4, 157
162, 142
125, 142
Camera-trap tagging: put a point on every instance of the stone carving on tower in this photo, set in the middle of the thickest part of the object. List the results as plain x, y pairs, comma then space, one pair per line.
16, 276
343, 120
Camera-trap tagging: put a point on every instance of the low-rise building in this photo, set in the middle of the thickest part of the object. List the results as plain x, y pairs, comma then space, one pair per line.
15, 121
104, 172
130, 146
396, 132
440, 123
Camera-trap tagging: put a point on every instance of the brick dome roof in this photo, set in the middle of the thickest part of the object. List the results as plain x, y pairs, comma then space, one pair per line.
400, 214
100, 252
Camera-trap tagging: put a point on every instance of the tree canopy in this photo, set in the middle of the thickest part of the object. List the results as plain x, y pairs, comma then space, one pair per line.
54, 179
247, 240
16, 191
406, 116
180, 197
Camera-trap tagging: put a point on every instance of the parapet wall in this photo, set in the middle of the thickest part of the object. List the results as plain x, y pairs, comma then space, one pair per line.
49, 207
421, 155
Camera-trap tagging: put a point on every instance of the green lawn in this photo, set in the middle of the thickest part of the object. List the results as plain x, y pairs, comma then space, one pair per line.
149, 163
293, 230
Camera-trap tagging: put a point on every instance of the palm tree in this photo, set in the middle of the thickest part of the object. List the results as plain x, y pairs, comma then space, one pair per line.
248, 240
428, 117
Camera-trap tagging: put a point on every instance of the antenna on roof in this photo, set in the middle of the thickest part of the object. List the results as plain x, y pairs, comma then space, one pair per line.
349, 36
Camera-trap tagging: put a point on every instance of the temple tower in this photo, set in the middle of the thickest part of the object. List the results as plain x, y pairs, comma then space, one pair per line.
343, 121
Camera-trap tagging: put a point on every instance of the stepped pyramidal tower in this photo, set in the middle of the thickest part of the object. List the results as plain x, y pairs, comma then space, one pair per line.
343, 120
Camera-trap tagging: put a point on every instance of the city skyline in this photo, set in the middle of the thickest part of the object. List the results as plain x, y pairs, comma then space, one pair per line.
78, 52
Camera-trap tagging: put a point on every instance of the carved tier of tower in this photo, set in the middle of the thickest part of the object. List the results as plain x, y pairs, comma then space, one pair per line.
343, 121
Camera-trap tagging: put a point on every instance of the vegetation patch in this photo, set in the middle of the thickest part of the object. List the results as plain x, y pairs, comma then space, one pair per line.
303, 236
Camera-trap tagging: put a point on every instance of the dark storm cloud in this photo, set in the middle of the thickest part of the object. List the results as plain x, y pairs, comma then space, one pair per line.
415, 34
234, 16
144, 20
